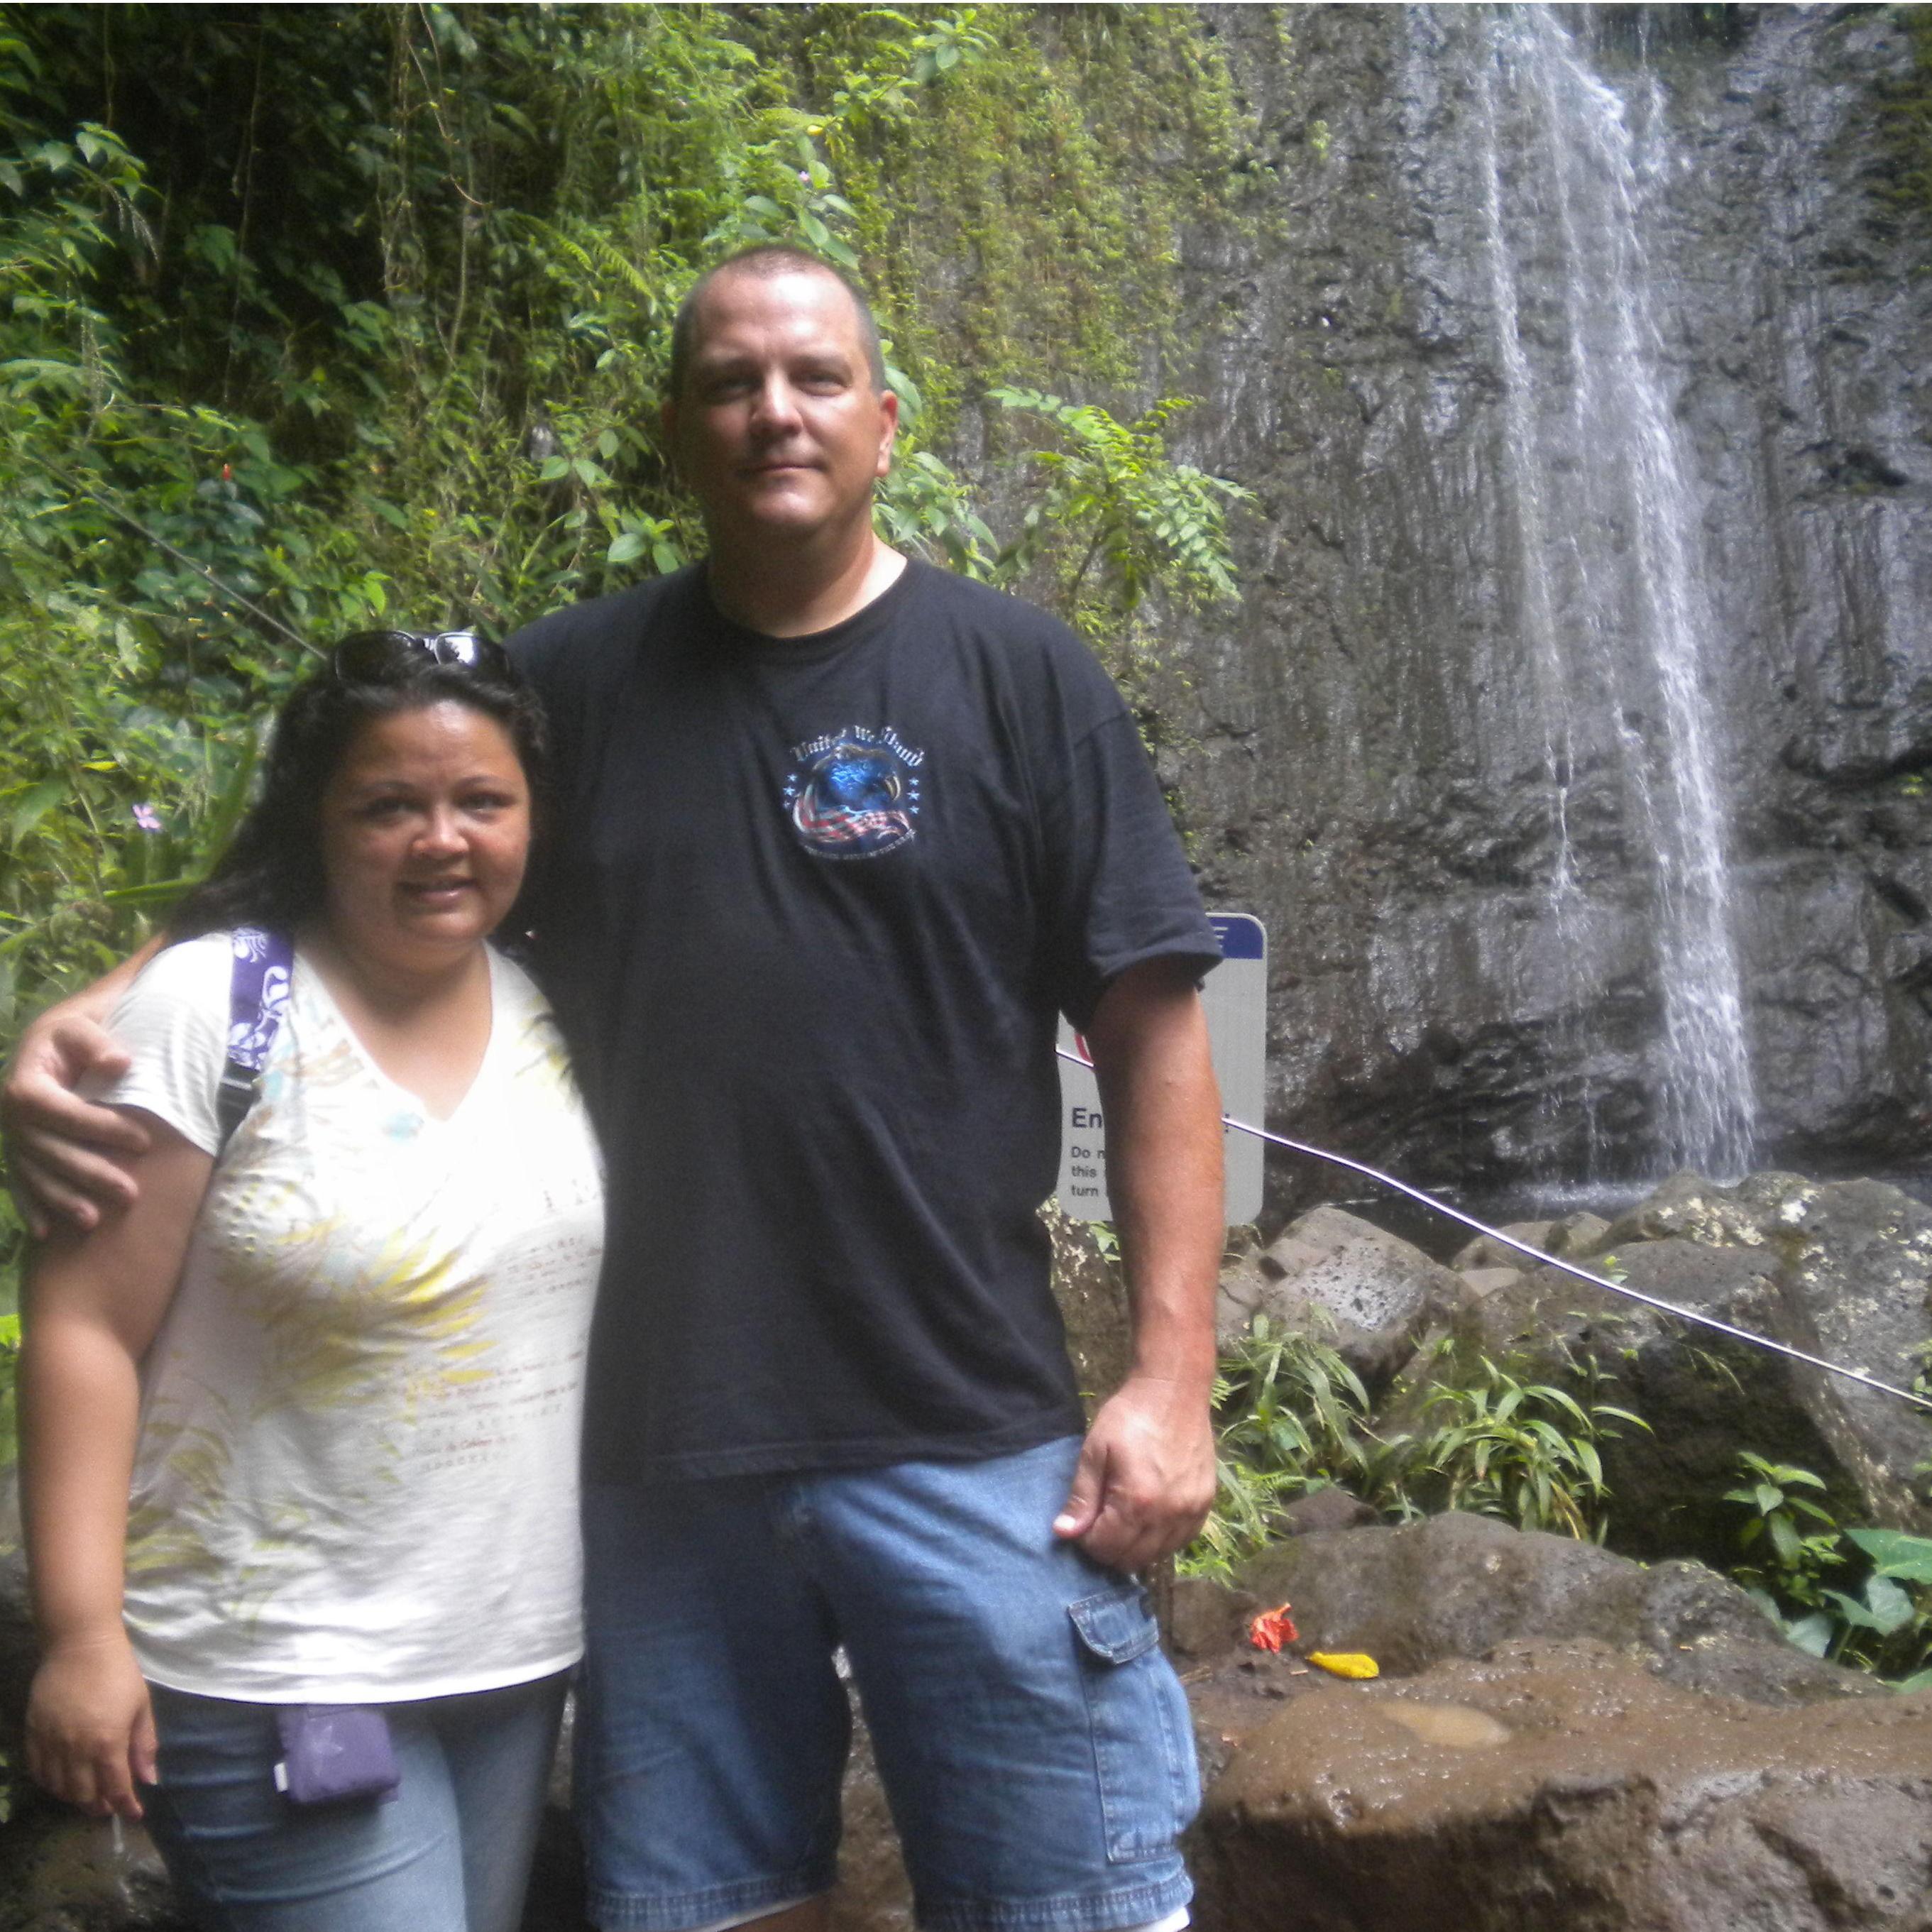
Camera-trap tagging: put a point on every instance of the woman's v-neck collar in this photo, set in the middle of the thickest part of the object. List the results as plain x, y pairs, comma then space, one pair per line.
312, 982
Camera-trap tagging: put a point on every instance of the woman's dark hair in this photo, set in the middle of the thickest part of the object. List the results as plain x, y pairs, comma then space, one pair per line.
272, 873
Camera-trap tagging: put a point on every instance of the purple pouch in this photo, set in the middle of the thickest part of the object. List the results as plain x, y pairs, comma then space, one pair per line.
331, 1752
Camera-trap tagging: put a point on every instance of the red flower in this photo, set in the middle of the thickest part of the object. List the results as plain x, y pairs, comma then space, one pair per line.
1273, 1628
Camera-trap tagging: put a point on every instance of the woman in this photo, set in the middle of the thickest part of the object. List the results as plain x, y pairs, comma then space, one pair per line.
336, 1361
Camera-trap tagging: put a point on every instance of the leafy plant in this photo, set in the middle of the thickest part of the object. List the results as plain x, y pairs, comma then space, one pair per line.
1890, 1623
1790, 1539
1291, 1405
1525, 1451
1243, 1520
1117, 516
1292, 1417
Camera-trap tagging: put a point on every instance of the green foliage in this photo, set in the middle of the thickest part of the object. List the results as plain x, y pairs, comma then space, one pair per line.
1790, 1536
1792, 1541
1525, 1451
1904, 177
1117, 516
10, 1355
1053, 187
1291, 1417
1291, 1405
314, 317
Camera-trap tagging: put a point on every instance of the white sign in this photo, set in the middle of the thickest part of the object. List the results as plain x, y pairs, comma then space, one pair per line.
1235, 997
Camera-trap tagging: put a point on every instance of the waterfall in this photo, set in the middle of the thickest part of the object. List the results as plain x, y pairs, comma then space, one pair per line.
1600, 488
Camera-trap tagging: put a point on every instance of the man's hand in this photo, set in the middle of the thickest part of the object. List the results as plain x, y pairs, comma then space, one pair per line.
62, 1149
1145, 1479
90, 1727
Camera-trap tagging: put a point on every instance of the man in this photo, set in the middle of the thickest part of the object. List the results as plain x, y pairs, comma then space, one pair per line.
839, 835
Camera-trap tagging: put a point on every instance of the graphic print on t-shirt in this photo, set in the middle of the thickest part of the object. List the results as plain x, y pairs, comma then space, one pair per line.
854, 793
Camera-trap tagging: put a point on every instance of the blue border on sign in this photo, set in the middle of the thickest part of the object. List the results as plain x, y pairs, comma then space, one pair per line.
1241, 934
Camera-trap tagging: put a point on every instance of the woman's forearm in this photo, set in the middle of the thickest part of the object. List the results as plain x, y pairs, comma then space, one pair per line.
94, 1303
80, 1396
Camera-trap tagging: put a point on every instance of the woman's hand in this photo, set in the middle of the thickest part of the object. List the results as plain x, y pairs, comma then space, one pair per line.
90, 1727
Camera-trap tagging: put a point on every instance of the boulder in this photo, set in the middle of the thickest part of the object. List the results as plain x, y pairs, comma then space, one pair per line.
1688, 1205
60, 1872
1368, 1291
1484, 1252
1565, 1787
1839, 1271
1329, 1508
1420, 1594
1572, 1235
1207, 1618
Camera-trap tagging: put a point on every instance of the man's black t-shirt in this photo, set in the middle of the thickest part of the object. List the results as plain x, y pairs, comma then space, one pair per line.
813, 906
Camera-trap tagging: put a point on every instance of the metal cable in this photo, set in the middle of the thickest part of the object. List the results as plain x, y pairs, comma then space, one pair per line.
1469, 1221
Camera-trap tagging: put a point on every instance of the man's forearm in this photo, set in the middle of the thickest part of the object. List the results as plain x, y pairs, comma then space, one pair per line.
1164, 1167
1147, 1470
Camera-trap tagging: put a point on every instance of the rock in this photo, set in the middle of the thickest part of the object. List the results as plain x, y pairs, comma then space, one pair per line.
1367, 766
1857, 1264
1573, 1236
1328, 1508
1484, 1252
1207, 1619
1483, 1282
1093, 1302
1698, 1209
1456, 1586
19, 1651
873, 1894
1561, 1787
1366, 1291
1839, 1269
60, 1872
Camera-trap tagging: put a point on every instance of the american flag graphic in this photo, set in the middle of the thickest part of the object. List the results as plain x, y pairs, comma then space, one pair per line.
837, 825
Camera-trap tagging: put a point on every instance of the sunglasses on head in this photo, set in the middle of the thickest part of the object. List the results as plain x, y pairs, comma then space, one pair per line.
368, 654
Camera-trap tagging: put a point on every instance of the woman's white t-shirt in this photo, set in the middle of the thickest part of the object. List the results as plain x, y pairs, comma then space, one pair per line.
356, 1475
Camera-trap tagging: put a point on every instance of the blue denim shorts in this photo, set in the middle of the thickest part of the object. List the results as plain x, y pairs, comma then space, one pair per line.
1034, 1743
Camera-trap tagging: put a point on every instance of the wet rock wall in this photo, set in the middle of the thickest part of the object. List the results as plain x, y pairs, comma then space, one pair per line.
1364, 759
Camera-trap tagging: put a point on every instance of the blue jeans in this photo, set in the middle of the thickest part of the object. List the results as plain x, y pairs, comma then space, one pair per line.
1034, 1744
450, 1853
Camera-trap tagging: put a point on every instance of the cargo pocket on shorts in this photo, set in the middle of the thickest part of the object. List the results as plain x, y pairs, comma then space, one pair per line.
1143, 1735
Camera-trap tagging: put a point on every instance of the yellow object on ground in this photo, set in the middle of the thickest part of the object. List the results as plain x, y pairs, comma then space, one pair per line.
1346, 1663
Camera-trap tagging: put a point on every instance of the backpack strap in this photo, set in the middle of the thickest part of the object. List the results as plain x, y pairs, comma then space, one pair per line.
258, 992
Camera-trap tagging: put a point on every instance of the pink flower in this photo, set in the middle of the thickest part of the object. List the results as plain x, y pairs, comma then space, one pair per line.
147, 818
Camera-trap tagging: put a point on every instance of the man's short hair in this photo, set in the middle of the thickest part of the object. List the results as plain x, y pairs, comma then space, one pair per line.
769, 258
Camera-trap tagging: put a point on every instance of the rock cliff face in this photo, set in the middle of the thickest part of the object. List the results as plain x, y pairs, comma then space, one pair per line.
1437, 750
